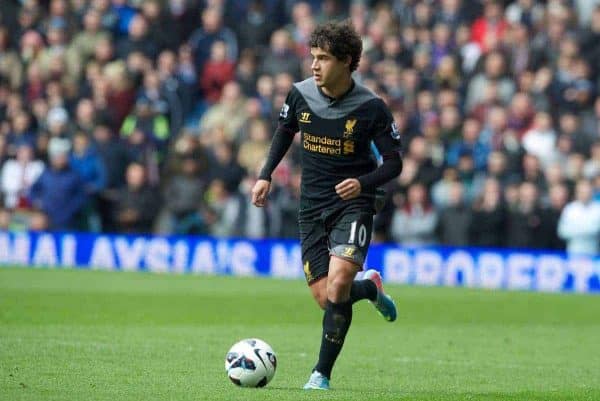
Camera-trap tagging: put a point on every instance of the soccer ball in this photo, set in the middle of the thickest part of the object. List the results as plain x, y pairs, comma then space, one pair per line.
250, 363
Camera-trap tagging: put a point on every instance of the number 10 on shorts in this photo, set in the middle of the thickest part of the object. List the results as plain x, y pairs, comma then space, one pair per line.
362, 234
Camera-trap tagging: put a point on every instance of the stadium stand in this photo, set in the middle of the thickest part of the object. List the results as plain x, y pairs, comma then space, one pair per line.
136, 116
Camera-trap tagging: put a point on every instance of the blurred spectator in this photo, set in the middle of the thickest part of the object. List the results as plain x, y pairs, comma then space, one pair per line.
212, 29
225, 167
471, 179
59, 191
224, 206
489, 28
426, 170
5, 219
281, 57
137, 203
525, 219
471, 144
532, 171
540, 140
117, 92
218, 70
579, 223
148, 122
186, 73
487, 226
440, 191
11, 68
520, 113
520, 54
115, 159
252, 222
109, 17
497, 168
185, 15
455, 218
591, 121
526, 12
254, 148
247, 72
596, 188
569, 127
85, 116
58, 123
18, 175
590, 35
113, 155
21, 132
86, 162
172, 87
228, 114
38, 221
155, 95
84, 43
284, 208
591, 168
558, 195
183, 195
138, 40
158, 24
256, 27
494, 73
450, 13
414, 222
125, 14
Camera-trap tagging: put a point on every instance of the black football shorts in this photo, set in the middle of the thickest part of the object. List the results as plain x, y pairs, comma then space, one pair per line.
343, 232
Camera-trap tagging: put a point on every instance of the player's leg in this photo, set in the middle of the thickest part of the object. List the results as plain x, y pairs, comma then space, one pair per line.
383, 302
352, 236
318, 290
338, 313
363, 289
336, 319
348, 239
359, 290
315, 257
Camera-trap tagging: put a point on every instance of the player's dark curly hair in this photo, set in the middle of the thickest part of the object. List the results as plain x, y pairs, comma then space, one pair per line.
340, 39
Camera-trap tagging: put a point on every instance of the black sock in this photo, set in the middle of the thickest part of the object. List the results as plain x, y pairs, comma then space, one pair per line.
336, 322
363, 289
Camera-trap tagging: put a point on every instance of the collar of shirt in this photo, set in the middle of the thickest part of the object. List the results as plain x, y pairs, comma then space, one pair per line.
333, 100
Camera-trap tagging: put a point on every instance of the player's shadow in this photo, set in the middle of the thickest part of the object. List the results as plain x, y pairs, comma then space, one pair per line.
300, 389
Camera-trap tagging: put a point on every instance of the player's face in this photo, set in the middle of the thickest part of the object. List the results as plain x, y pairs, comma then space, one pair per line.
327, 69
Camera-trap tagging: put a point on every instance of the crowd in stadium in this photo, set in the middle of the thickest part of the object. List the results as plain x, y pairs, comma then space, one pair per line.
155, 116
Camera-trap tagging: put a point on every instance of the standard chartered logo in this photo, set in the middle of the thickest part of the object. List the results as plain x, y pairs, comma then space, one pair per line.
326, 145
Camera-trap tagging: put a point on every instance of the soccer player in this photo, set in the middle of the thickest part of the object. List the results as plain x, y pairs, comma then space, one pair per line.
338, 120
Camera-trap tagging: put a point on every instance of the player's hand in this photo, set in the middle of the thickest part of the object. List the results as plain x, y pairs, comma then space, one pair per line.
348, 189
259, 192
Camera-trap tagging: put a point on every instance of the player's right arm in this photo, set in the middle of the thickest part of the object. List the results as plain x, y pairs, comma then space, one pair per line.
282, 140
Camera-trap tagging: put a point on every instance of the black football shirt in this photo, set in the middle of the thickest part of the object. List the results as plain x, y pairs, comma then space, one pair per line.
335, 139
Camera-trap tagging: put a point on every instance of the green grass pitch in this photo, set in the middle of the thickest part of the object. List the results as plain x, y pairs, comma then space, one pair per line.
90, 335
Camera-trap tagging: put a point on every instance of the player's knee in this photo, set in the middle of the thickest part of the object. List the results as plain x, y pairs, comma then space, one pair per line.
319, 292
321, 299
338, 288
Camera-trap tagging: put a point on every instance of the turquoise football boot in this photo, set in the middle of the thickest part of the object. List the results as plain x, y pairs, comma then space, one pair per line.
317, 381
384, 303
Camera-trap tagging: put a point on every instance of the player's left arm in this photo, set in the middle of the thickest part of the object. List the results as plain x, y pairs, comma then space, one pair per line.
387, 140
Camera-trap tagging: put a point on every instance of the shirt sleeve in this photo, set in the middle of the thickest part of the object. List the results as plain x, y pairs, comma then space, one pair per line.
386, 135
283, 137
287, 114
386, 138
